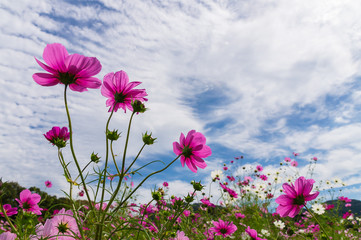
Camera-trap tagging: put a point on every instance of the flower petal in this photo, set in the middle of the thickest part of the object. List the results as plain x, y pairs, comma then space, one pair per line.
54, 55
45, 79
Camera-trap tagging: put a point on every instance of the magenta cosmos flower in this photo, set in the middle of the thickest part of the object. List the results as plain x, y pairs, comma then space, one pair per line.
9, 210
192, 149
74, 70
296, 197
223, 228
253, 234
29, 202
48, 184
119, 91
62, 226
7, 236
58, 136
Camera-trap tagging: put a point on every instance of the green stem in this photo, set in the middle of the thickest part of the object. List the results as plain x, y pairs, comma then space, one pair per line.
99, 229
120, 177
8, 220
72, 150
324, 231
175, 218
140, 184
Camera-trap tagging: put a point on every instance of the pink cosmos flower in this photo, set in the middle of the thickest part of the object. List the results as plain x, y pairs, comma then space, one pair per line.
29, 202
296, 197
48, 184
231, 192
314, 159
223, 228
58, 136
63, 225
192, 149
295, 154
81, 193
294, 163
165, 184
180, 236
253, 234
263, 177
259, 168
119, 91
239, 215
206, 202
7, 236
287, 159
74, 70
344, 199
9, 210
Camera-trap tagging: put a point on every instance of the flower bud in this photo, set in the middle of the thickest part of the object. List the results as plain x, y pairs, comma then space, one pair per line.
147, 138
138, 106
197, 186
156, 196
94, 157
113, 135
189, 199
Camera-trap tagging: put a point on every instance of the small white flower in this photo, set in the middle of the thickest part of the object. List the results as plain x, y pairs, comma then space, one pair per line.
337, 180
217, 174
318, 208
279, 224
328, 182
265, 232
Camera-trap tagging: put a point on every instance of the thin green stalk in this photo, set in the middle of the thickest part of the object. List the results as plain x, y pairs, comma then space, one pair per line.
135, 159
328, 237
8, 220
72, 149
115, 162
99, 229
140, 184
175, 218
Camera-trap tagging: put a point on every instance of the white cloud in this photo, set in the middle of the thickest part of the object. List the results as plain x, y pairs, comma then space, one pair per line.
263, 60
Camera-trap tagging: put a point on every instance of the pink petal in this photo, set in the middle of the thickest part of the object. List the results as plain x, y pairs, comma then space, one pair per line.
45, 79
191, 166
199, 162
120, 80
177, 148
289, 190
182, 140
310, 197
283, 210
204, 152
189, 137
46, 67
24, 195
54, 55
77, 88
284, 200
90, 82
92, 68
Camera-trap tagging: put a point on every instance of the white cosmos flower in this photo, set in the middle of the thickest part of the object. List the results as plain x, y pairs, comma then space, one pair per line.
279, 224
318, 208
217, 174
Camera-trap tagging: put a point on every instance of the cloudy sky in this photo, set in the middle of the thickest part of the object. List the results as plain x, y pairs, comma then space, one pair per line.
261, 79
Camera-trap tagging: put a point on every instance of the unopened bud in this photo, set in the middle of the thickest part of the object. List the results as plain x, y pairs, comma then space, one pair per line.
94, 157
138, 106
113, 135
148, 139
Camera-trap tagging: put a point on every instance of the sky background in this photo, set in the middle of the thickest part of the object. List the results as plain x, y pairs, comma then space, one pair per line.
261, 79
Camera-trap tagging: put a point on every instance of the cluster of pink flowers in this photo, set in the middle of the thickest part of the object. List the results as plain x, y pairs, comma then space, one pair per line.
77, 72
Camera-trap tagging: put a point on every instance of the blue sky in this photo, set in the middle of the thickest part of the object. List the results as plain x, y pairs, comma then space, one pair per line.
258, 78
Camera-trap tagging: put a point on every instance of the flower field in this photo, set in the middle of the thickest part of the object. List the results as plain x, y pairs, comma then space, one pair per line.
252, 202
